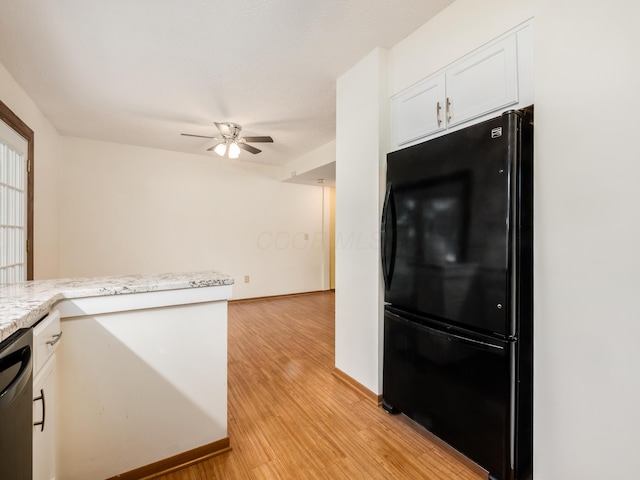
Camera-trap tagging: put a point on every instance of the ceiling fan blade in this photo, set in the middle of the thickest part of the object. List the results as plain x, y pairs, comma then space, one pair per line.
258, 139
248, 148
191, 135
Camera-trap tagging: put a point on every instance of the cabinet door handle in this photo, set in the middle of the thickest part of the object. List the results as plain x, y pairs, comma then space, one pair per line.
448, 109
44, 410
56, 339
438, 108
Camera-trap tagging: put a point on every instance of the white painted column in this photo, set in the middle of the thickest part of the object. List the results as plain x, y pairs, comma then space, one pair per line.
361, 144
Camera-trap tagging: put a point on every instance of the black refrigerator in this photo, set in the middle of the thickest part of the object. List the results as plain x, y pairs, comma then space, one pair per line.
457, 261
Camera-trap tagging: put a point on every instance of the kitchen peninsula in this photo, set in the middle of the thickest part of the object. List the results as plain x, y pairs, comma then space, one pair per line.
142, 368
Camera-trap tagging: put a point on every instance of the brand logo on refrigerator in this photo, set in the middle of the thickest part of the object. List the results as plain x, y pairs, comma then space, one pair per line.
496, 132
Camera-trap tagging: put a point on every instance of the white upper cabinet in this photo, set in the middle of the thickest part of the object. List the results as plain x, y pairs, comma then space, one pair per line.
419, 110
482, 84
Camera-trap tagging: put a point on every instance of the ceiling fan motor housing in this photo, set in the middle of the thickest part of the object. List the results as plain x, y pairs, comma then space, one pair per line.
233, 130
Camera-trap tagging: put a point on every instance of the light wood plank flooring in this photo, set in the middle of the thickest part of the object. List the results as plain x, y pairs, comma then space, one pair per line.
290, 417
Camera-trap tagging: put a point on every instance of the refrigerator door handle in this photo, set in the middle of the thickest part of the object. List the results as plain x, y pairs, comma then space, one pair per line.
388, 229
475, 340
477, 343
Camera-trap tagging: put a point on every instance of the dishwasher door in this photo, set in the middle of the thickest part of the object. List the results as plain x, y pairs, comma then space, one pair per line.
16, 410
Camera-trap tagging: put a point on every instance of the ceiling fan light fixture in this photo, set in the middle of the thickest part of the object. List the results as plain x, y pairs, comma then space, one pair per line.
234, 150
221, 149
229, 143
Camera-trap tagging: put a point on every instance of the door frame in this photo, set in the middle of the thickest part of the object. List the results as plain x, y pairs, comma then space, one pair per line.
13, 121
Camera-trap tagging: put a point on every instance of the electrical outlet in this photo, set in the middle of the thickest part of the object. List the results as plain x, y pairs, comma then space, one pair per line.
306, 236
246, 279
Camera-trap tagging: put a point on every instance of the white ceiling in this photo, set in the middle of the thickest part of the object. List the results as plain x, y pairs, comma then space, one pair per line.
141, 72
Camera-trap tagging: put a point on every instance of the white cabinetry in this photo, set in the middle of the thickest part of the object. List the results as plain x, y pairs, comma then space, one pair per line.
484, 82
418, 111
46, 336
141, 384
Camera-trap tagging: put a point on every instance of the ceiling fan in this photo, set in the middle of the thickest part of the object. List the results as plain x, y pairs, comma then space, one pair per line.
230, 142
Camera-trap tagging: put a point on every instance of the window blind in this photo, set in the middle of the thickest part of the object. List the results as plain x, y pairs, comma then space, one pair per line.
13, 213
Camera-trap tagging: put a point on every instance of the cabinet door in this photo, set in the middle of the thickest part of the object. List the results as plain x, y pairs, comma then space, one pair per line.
46, 338
44, 434
484, 82
418, 111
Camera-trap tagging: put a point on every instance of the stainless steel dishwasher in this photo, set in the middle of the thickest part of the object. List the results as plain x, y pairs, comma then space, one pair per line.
16, 410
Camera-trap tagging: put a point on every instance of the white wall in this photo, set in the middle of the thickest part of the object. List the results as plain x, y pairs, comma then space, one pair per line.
312, 160
587, 260
587, 387
46, 161
103, 209
360, 142
127, 209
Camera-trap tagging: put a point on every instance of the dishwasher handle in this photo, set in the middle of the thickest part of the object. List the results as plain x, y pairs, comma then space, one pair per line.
23, 377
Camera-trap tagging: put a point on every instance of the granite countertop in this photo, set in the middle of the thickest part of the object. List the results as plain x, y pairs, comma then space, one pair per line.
23, 304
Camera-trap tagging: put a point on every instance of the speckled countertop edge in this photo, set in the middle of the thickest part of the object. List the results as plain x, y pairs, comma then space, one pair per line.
23, 304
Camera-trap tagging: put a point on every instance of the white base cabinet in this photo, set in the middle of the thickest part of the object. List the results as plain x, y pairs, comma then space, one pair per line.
46, 340
139, 386
44, 419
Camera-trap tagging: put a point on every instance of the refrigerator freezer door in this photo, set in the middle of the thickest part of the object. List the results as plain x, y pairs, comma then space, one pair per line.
457, 387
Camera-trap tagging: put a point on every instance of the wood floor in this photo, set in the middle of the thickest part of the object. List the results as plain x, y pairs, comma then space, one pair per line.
290, 417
